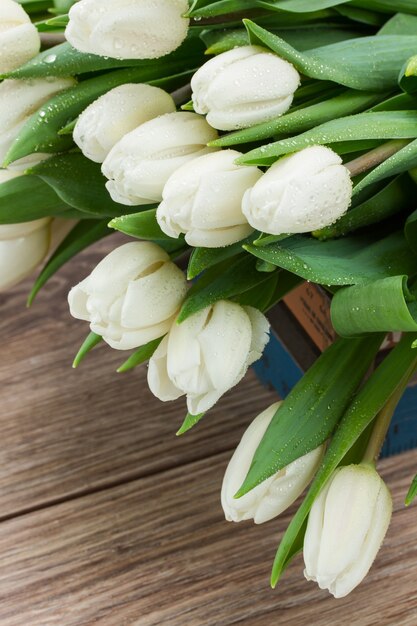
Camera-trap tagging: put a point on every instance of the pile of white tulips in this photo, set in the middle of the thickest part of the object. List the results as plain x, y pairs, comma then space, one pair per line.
124, 124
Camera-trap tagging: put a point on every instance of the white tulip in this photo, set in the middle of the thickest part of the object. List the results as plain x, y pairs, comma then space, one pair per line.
275, 494
140, 164
116, 113
301, 192
243, 87
128, 29
208, 354
19, 99
22, 247
346, 527
131, 297
203, 200
19, 38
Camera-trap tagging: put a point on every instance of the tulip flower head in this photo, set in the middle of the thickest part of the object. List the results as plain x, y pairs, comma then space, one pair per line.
19, 99
275, 494
131, 297
140, 164
346, 527
116, 113
203, 200
302, 192
22, 246
208, 354
132, 29
19, 38
243, 87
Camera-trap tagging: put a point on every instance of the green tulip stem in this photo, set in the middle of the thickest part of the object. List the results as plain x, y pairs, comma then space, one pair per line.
383, 421
375, 157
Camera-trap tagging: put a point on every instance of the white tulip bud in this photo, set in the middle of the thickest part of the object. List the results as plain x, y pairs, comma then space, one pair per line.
22, 246
243, 87
19, 99
19, 38
208, 354
275, 494
203, 200
301, 192
131, 297
140, 164
132, 29
346, 527
116, 113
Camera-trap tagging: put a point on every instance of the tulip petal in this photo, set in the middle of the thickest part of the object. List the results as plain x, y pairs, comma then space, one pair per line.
218, 238
140, 164
20, 256
77, 300
349, 579
159, 381
154, 297
260, 333
134, 29
119, 111
243, 508
225, 343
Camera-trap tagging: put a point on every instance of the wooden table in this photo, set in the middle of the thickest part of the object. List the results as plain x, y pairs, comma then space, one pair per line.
107, 518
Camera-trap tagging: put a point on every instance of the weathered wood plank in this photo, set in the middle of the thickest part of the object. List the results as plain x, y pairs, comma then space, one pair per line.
156, 552
66, 432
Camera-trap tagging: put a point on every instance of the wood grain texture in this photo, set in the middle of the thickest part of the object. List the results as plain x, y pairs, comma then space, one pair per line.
69, 432
157, 552
107, 518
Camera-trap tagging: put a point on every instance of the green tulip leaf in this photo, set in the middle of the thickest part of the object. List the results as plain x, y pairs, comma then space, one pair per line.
387, 6
378, 125
400, 24
365, 63
410, 231
384, 383
189, 422
348, 261
214, 8
305, 37
80, 184
91, 341
143, 225
64, 60
202, 259
408, 76
36, 6
412, 492
226, 280
384, 305
28, 198
403, 160
312, 409
141, 355
55, 24
295, 122
362, 16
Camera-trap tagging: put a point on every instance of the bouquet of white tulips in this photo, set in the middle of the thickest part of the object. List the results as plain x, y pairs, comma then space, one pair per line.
244, 146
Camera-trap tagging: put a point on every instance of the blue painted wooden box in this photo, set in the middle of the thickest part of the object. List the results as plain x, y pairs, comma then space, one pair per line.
291, 351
